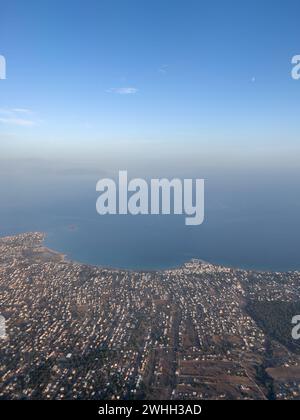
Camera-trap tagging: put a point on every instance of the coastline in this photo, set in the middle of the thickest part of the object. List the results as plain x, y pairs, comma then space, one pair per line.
63, 257
51, 251
66, 258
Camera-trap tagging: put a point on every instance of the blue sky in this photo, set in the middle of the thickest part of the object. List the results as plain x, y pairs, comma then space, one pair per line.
197, 79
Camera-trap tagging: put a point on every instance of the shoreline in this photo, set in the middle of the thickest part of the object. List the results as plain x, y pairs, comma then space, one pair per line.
62, 256
69, 259
65, 258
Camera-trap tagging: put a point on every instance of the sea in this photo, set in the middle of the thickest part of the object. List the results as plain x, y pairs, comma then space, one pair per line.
250, 222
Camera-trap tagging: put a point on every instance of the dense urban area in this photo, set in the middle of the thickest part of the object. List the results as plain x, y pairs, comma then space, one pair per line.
201, 331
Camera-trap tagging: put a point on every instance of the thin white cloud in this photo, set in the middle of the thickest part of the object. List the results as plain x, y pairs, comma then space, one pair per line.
18, 122
163, 69
13, 111
123, 90
22, 111
16, 116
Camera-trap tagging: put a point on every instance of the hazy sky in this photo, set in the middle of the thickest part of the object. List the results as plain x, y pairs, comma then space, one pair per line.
193, 79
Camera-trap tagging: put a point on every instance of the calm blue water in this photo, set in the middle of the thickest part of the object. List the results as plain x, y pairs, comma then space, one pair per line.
250, 223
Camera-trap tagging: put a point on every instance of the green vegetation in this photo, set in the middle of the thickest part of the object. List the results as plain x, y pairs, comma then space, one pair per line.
275, 318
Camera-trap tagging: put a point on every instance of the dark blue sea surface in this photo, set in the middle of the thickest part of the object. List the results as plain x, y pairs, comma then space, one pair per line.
249, 223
